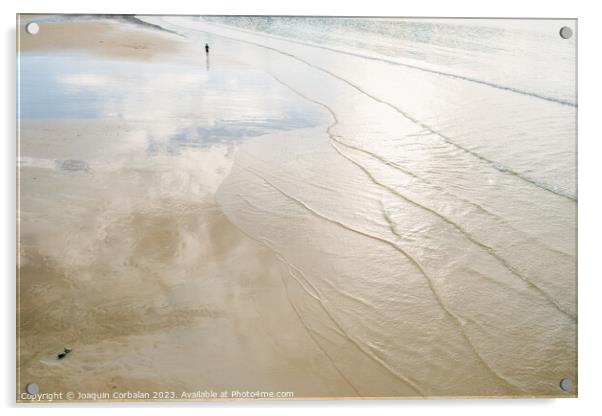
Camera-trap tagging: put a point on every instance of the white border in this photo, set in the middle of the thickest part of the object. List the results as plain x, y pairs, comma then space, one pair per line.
590, 209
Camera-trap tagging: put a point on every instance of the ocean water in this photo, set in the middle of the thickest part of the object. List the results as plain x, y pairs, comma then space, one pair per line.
429, 228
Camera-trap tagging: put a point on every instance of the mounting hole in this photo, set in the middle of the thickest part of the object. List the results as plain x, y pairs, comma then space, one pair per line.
566, 384
32, 28
32, 388
566, 32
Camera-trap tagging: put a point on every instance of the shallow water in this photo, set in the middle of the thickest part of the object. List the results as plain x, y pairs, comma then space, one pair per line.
430, 228
522, 54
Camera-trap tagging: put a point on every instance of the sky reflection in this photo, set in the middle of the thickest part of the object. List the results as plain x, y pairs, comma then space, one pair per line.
202, 106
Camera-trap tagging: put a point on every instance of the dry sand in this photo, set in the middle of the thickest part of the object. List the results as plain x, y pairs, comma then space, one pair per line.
118, 39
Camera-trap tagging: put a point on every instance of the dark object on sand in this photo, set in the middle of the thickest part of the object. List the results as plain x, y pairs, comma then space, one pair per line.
73, 165
206, 48
63, 354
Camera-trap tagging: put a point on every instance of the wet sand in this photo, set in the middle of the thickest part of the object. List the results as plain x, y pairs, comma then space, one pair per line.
429, 253
127, 259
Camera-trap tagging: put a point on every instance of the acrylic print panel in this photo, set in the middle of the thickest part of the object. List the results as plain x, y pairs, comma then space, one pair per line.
296, 207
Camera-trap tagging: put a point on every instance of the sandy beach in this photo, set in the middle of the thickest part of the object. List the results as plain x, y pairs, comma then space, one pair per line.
127, 260
283, 215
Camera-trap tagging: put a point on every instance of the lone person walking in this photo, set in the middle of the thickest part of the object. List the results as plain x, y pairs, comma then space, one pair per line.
207, 48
